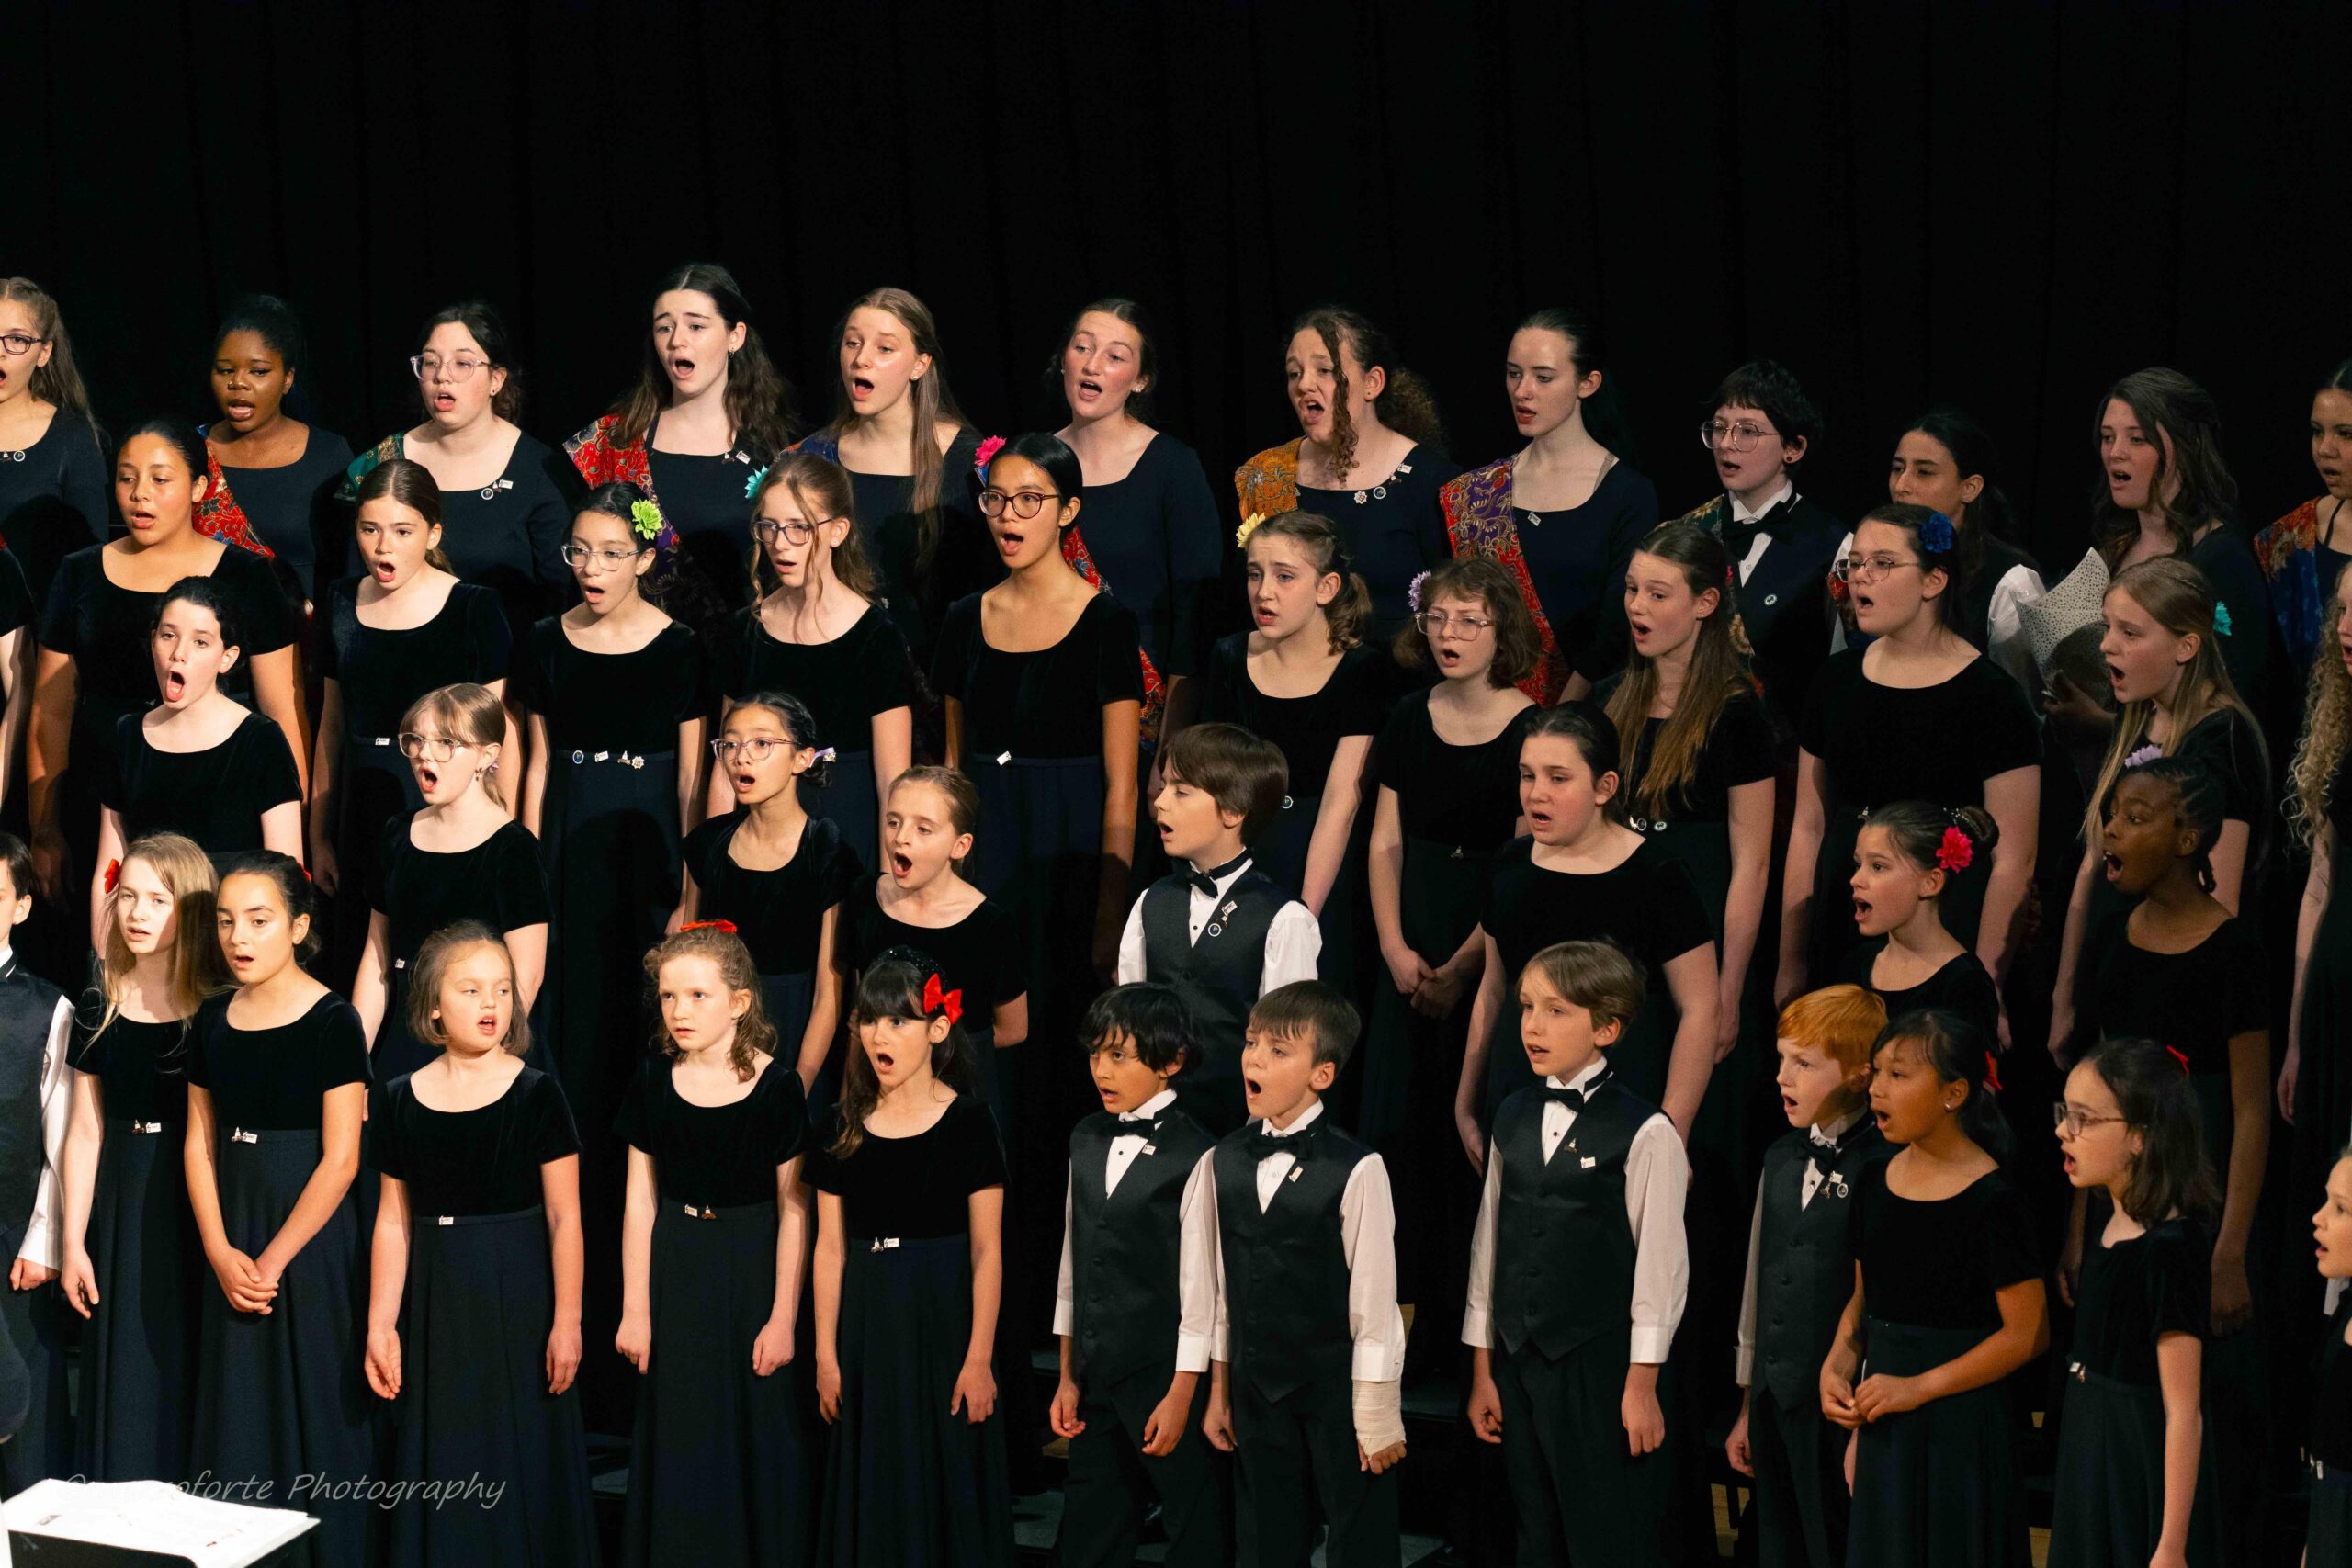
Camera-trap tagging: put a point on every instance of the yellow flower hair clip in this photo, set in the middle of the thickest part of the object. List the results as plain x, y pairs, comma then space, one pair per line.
1249, 526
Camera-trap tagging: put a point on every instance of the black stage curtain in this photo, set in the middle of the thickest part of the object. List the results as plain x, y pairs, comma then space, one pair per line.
2005, 206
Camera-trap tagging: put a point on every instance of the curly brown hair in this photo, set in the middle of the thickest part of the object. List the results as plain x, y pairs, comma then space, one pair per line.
716, 940
2327, 728
1489, 584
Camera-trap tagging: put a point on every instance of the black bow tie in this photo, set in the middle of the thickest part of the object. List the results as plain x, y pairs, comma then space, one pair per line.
1264, 1145
1118, 1124
1739, 536
1574, 1099
1206, 881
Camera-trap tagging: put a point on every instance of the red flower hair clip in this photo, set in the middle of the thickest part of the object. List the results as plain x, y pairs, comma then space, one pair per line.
1955, 852
1992, 1078
937, 1001
727, 926
114, 874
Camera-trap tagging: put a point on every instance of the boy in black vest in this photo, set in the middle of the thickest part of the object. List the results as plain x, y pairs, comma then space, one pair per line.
1577, 1275
1309, 1345
1800, 1277
1137, 1305
35, 1102
1218, 929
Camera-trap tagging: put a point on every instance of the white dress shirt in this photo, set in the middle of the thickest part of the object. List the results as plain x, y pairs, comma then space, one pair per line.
1740, 512
1293, 943
1368, 1240
1824, 1140
1657, 1176
44, 1240
1196, 1275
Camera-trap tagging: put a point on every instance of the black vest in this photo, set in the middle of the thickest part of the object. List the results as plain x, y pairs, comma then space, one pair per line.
1287, 1269
28, 1006
1784, 605
1805, 1258
1564, 1254
1125, 1247
1218, 975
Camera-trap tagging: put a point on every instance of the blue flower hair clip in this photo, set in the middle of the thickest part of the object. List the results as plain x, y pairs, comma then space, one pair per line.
751, 485
1413, 591
1935, 534
2221, 618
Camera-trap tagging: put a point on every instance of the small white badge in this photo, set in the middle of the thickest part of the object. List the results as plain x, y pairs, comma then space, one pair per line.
1297, 1171
1150, 1148
1587, 1162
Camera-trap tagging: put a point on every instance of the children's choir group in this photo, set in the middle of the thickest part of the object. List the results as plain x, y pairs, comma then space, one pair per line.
818, 919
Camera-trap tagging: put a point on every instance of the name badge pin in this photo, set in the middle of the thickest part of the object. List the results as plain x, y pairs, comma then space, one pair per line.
1587, 1162
1297, 1171
602, 755
1150, 1148
447, 1219
1003, 757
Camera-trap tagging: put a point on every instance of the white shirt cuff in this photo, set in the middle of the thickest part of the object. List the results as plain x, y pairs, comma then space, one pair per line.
1065, 1319
1193, 1352
1745, 1367
1478, 1329
1649, 1346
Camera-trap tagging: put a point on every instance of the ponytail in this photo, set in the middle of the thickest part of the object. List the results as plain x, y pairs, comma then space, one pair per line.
1951, 839
1956, 1051
1348, 615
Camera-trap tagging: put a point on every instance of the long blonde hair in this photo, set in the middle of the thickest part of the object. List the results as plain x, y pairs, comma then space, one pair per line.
197, 969
2178, 598
470, 712
2327, 727
1718, 671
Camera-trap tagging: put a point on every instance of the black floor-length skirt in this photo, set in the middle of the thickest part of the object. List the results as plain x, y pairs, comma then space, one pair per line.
2330, 1535
281, 1397
1937, 1484
909, 1485
722, 1466
377, 786
610, 836
139, 1347
474, 1404
2110, 1488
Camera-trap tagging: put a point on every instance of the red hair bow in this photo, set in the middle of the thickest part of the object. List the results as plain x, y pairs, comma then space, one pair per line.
1992, 1079
727, 926
1955, 852
936, 1000
2177, 1056
114, 874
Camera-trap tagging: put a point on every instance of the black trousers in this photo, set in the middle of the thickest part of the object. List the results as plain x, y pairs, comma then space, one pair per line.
1111, 1481
1295, 1454
1799, 1515
1581, 1497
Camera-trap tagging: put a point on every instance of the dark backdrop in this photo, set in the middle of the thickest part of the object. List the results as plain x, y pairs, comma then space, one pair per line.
2002, 206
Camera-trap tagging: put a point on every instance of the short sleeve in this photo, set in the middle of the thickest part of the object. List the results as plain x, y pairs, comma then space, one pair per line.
520, 881
526, 681
199, 1035
1678, 918
108, 779
340, 1051
550, 1133
979, 1157
493, 639
16, 595
1397, 757
1118, 653
2180, 1281
1219, 699
634, 1124
386, 1148
2227, 748
1743, 742
822, 1168
2006, 738
786, 1129
61, 616
885, 668
2006, 1232
269, 623
270, 773
1365, 704
1812, 724
2245, 970
338, 609
89, 1052
699, 847
375, 886
951, 663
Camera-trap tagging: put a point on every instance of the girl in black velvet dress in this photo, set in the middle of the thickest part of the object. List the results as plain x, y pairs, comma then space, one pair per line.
723, 1466
2135, 1482
1945, 1284
473, 1313
619, 701
200, 763
460, 858
403, 627
1310, 680
505, 497
1906, 859
133, 1267
818, 634
95, 661
279, 473
52, 474
708, 413
277, 1087
2330, 1538
776, 873
910, 1187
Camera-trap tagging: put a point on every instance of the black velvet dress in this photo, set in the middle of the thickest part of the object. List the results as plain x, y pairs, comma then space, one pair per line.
216, 796
499, 882
1393, 528
1156, 537
508, 536
56, 497
979, 956
293, 510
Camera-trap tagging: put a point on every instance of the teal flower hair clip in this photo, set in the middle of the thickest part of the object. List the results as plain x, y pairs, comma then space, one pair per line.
2221, 619
645, 519
751, 485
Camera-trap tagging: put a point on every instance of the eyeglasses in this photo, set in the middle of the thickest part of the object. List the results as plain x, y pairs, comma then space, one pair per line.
1437, 623
1025, 503
798, 532
439, 747
2075, 1122
611, 560
18, 344
1717, 436
1870, 569
755, 750
461, 369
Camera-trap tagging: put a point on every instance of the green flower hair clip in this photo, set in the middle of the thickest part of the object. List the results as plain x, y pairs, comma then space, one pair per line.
645, 518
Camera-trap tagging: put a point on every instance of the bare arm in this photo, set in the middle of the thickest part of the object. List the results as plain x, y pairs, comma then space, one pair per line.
109, 853
1011, 1021
893, 743
1751, 868
1335, 819
512, 758
2014, 798
371, 988
825, 1291
2180, 1365
16, 671
279, 698
791, 1245
2249, 1152
2070, 956
1486, 1008
2229, 864
535, 779
387, 1282
635, 1339
1691, 978
326, 783
1121, 737
85, 1135
953, 719
1805, 833
559, 1196
346, 1107
48, 752
986, 1208
824, 1002
528, 947
691, 760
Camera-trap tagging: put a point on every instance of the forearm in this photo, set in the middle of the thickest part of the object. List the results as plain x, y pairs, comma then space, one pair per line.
2004, 893
316, 1206
2071, 939
791, 1256
2249, 1152
1743, 921
2184, 1447
1796, 891
80, 1174
1385, 876
387, 1263
1689, 1067
566, 1244
826, 1296
2000, 1353
1334, 820
987, 1286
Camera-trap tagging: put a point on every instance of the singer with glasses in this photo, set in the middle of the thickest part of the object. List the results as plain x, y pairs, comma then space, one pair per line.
505, 497
820, 632
53, 497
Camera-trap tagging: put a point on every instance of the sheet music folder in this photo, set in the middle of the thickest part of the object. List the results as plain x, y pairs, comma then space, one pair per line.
149, 1524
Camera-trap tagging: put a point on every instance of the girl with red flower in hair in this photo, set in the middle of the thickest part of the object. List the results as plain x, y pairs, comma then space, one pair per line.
1905, 858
